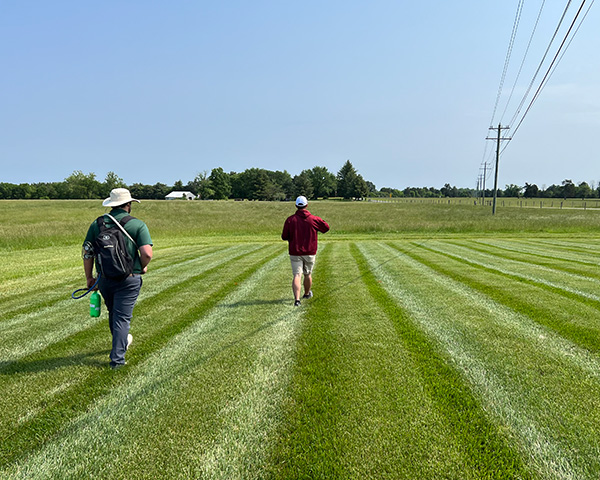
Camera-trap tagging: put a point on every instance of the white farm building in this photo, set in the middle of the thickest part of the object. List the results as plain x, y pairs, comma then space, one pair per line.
182, 195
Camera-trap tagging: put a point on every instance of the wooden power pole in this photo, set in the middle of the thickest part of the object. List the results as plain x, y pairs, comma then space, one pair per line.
498, 139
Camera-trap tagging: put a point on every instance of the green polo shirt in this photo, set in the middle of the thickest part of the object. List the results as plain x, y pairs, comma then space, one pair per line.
135, 227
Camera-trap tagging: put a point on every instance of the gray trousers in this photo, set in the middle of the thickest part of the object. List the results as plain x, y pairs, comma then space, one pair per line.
120, 298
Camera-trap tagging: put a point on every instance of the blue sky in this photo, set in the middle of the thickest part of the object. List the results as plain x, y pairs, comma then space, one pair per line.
161, 91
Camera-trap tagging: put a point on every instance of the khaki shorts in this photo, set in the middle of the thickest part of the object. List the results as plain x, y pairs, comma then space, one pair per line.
302, 264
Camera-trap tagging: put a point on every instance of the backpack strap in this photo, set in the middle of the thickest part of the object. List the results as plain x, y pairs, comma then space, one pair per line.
121, 224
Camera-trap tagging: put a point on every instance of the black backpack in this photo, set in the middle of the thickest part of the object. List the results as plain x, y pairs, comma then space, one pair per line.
110, 248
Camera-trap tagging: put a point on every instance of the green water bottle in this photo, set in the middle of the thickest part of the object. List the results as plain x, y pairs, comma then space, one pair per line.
95, 304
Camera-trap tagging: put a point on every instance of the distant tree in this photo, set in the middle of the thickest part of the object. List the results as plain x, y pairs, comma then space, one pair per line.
254, 184
221, 184
159, 191
6, 190
178, 186
569, 189
202, 185
512, 190
345, 177
391, 192
282, 185
323, 182
349, 183
466, 192
583, 190
553, 191
260, 184
46, 190
531, 190
20, 191
449, 191
371, 188
80, 185
303, 185
237, 187
359, 187
112, 181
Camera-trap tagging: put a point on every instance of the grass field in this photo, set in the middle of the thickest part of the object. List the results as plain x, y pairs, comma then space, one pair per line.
441, 343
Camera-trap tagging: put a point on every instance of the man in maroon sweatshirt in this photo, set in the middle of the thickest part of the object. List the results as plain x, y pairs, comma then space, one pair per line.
301, 230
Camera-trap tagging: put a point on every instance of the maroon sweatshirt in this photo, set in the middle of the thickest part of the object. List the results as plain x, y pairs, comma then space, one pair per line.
300, 230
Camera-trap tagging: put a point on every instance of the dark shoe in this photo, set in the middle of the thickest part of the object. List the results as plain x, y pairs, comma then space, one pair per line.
308, 295
297, 303
116, 366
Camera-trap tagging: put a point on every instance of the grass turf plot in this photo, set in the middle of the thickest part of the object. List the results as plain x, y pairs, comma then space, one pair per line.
431, 356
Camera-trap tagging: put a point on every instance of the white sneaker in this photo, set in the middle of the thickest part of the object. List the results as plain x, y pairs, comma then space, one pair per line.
129, 339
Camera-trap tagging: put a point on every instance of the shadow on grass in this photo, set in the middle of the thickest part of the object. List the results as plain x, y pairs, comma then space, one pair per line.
46, 364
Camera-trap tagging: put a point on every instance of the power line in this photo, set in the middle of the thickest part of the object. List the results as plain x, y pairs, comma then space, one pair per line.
555, 61
523, 61
508, 55
505, 69
523, 100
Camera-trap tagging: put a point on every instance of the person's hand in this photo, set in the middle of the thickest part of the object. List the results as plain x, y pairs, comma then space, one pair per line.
144, 270
90, 282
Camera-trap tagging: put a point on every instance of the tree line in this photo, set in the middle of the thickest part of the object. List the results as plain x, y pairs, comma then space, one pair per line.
261, 184
251, 184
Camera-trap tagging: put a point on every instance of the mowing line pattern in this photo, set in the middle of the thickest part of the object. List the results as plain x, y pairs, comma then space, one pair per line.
514, 268
51, 324
98, 439
568, 262
364, 399
459, 358
525, 394
31, 382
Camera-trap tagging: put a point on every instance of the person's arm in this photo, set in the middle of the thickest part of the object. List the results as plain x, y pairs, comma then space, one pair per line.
285, 235
145, 257
322, 225
88, 268
87, 253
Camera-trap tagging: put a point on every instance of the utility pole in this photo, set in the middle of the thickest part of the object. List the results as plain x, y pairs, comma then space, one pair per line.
483, 181
498, 139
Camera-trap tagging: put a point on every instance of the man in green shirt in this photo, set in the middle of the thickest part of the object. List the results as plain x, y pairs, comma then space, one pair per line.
120, 295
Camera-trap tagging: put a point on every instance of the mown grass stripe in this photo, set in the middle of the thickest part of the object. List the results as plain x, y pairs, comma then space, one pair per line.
306, 445
51, 324
58, 410
582, 330
546, 340
358, 409
242, 447
88, 348
513, 250
561, 289
503, 369
96, 443
44, 290
487, 450
550, 268
586, 246
39, 292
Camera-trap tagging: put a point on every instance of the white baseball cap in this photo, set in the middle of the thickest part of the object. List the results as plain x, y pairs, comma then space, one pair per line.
301, 201
118, 197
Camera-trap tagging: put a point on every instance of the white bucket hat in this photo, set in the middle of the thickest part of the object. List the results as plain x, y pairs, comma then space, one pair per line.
118, 197
301, 201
